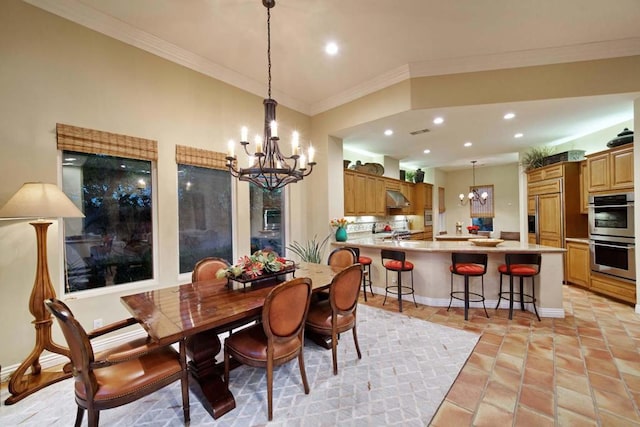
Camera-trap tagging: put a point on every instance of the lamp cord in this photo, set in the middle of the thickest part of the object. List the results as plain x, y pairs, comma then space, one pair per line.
269, 47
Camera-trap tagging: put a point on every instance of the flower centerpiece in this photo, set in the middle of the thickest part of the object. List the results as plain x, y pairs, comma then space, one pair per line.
473, 229
341, 231
259, 264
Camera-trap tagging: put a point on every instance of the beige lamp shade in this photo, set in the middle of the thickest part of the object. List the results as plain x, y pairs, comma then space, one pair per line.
40, 200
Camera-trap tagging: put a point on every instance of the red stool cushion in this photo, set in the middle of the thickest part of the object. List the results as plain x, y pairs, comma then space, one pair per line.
364, 260
518, 270
468, 269
397, 265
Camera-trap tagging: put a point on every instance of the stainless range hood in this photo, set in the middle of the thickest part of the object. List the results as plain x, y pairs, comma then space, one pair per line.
396, 200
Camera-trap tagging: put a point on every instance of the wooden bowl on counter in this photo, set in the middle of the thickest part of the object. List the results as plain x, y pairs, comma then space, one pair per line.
486, 242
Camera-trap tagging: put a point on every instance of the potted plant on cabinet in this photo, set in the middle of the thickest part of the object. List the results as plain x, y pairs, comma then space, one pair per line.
534, 157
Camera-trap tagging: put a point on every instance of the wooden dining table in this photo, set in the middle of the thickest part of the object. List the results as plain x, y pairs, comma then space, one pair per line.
197, 312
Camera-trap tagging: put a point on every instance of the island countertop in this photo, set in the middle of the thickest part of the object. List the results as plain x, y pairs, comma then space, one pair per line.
446, 246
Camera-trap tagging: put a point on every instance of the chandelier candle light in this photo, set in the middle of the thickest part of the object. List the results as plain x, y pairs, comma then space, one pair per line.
268, 167
473, 195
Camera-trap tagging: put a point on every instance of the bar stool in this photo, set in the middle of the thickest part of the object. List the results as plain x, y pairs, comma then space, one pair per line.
396, 261
365, 261
520, 265
468, 265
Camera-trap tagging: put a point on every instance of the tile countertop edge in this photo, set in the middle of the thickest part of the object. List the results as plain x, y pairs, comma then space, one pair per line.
578, 240
429, 246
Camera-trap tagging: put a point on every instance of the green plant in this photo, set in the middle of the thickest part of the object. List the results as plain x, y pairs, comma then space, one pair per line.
534, 157
311, 252
409, 175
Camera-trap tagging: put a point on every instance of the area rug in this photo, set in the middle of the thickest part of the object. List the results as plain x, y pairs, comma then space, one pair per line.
407, 367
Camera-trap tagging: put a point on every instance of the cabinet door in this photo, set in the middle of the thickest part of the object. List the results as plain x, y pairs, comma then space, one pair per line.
428, 197
441, 207
622, 169
349, 194
584, 186
360, 196
578, 271
550, 220
531, 205
406, 188
370, 195
381, 197
598, 173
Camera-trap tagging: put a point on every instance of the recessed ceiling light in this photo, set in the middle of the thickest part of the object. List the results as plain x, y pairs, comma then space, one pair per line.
509, 116
468, 144
427, 151
438, 120
388, 132
331, 48
518, 135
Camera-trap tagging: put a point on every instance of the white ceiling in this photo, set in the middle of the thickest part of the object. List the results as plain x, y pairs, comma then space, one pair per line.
381, 43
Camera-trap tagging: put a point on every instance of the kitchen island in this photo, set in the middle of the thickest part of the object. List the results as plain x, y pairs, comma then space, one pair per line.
432, 277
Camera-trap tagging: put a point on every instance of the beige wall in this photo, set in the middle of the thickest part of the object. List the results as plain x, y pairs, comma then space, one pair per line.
596, 141
56, 71
505, 191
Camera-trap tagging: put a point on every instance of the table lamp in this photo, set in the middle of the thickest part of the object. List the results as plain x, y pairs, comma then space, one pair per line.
39, 200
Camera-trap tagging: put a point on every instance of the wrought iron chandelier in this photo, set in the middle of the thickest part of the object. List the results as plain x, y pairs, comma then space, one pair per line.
473, 195
268, 167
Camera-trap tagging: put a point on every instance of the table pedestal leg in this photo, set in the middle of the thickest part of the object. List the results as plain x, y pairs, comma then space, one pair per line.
202, 349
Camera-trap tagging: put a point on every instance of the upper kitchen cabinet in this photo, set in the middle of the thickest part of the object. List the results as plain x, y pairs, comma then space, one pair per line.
441, 206
610, 170
364, 194
423, 198
408, 190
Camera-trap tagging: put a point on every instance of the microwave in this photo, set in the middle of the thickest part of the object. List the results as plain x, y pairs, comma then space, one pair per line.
611, 215
428, 217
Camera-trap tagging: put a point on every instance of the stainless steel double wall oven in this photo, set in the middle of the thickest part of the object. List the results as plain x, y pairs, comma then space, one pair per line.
611, 235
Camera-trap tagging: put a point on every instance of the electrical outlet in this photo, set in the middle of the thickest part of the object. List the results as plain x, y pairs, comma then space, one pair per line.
97, 323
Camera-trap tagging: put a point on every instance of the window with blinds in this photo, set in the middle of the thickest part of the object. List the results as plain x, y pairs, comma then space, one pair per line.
479, 210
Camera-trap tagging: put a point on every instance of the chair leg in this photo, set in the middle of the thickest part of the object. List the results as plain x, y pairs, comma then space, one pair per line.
369, 278
484, 306
270, 386
499, 293
79, 416
400, 291
303, 371
334, 351
510, 297
355, 340
386, 285
466, 297
533, 295
413, 294
451, 292
93, 417
521, 293
364, 284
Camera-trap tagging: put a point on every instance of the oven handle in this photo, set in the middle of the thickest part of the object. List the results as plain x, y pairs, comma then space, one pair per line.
623, 246
628, 205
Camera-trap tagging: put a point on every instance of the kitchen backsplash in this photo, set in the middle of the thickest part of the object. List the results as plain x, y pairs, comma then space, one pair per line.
395, 222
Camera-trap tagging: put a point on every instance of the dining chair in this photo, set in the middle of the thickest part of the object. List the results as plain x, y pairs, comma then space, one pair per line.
510, 235
338, 314
206, 268
278, 339
365, 262
121, 374
520, 265
342, 257
468, 265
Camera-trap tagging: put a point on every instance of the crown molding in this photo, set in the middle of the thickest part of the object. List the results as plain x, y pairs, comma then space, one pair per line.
88, 17
81, 14
527, 58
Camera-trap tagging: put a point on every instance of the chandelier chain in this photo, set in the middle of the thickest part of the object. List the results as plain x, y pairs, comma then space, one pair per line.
269, 47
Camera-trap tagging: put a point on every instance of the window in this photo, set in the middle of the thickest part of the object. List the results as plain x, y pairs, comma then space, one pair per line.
479, 210
485, 224
204, 206
267, 209
204, 209
109, 177
112, 244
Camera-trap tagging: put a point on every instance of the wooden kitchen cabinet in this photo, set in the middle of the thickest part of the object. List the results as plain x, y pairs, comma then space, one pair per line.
610, 170
407, 189
608, 285
364, 194
423, 198
584, 187
428, 232
553, 199
577, 264
349, 193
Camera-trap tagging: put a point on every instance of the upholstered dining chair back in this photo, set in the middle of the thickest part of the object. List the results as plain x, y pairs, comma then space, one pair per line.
342, 257
206, 268
285, 310
121, 374
345, 289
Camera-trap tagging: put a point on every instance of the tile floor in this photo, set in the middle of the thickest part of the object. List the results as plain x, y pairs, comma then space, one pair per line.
583, 370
